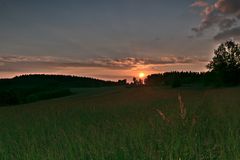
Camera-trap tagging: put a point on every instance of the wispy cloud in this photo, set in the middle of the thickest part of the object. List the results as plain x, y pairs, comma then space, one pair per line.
199, 3
231, 33
222, 14
33, 63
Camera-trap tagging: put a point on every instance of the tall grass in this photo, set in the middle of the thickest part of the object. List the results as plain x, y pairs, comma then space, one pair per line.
136, 124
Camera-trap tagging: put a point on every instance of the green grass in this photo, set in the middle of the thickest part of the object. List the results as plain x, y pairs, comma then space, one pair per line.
122, 123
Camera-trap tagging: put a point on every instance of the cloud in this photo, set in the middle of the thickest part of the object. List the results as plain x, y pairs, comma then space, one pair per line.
227, 6
231, 33
199, 3
45, 63
222, 14
208, 20
227, 23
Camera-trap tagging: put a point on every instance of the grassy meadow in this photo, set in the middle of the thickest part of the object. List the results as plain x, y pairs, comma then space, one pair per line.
146, 123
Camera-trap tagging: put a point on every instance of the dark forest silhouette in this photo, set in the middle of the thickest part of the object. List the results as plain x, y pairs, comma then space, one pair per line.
55, 80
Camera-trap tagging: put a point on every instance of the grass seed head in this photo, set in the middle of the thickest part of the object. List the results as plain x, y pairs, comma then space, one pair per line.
183, 110
163, 116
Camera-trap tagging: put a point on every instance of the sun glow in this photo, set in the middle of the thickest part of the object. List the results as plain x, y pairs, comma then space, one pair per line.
141, 75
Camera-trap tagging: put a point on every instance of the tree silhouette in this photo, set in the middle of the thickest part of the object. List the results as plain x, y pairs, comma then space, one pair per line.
137, 82
122, 82
175, 79
226, 62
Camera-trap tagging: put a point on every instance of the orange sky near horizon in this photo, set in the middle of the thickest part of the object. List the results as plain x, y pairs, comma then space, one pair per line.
108, 73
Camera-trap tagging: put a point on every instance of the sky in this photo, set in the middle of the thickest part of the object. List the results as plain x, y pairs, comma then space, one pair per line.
112, 39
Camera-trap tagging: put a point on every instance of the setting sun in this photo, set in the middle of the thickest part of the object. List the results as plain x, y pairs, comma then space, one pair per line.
141, 75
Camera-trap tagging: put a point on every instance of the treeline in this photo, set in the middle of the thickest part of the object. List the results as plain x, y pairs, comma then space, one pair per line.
55, 80
177, 79
174, 79
31, 88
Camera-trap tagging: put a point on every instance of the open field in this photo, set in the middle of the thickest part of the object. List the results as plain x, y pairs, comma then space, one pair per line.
125, 123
